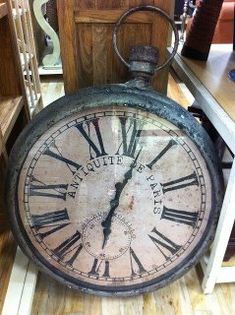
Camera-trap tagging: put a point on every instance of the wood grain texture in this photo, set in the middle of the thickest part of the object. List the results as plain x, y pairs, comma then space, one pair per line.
183, 296
68, 41
13, 116
160, 34
9, 111
85, 49
86, 39
3, 10
109, 16
7, 253
8, 66
3, 165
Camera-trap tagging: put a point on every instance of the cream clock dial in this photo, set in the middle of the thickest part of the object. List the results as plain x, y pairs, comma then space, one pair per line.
113, 199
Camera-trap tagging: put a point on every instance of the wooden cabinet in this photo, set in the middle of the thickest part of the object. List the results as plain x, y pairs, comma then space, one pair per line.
12, 98
85, 29
13, 109
13, 116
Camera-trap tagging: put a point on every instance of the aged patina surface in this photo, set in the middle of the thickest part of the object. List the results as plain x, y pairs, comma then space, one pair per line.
115, 190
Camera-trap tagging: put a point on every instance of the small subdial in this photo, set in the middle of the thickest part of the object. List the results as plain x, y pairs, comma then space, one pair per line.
119, 240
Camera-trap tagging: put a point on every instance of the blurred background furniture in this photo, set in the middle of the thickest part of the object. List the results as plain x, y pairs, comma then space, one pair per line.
86, 49
214, 94
46, 32
187, 12
14, 115
22, 26
225, 26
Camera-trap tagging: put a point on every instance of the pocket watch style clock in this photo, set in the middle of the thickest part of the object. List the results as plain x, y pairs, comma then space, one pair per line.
115, 190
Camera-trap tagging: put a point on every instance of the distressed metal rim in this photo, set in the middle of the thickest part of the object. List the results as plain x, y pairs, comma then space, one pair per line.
118, 95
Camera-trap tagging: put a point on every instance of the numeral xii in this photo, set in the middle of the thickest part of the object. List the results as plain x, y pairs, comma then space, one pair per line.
130, 136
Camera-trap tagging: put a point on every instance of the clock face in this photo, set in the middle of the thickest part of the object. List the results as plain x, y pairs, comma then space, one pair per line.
114, 197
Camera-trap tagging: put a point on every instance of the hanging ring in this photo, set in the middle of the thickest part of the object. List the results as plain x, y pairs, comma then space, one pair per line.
145, 8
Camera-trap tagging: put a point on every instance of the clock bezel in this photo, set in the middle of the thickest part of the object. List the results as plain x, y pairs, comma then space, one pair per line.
123, 96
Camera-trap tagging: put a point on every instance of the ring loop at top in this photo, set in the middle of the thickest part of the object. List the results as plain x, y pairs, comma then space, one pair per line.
145, 8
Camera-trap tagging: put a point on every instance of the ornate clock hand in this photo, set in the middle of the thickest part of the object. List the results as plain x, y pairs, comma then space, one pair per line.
114, 203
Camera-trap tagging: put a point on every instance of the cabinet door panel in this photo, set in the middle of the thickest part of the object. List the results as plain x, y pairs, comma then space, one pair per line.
86, 40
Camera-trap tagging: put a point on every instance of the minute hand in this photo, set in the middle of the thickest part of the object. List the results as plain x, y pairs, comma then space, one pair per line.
114, 203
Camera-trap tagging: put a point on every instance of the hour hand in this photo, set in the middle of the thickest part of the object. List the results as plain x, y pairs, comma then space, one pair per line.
106, 231
114, 203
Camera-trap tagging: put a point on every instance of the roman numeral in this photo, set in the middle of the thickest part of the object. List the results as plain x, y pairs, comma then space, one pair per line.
181, 183
180, 216
56, 154
51, 221
66, 247
95, 269
170, 144
97, 148
162, 242
49, 218
38, 188
52, 229
130, 136
134, 258
75, 255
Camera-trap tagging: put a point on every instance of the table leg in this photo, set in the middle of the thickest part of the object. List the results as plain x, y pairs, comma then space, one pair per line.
223, 231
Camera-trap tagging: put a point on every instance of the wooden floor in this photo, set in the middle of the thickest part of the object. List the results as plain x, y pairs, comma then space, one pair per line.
183, 297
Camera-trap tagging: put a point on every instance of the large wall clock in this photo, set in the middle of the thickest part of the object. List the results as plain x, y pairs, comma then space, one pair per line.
114, 190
